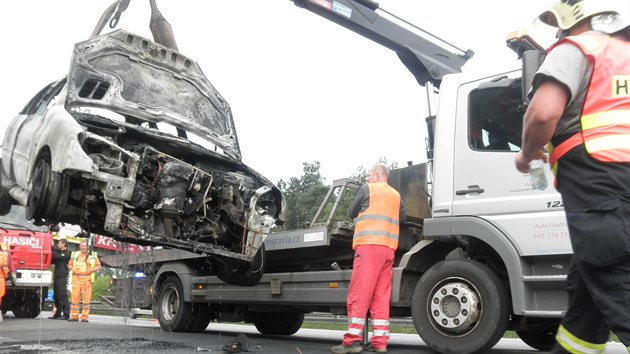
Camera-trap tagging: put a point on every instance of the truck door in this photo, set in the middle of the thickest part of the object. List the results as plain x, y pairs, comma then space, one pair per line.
485, 181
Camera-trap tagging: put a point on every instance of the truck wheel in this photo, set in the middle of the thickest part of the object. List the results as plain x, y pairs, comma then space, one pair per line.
174, 314
202, 317
543, 340
460, 306
29, 307
239, 272
278, 323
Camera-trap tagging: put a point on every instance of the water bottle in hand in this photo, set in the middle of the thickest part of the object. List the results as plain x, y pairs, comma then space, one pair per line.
537, 175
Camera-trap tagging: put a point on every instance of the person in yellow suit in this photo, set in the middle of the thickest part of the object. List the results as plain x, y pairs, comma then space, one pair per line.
6, 269
83, 265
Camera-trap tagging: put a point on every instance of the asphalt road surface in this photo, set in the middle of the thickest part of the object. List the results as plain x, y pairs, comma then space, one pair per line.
109, 335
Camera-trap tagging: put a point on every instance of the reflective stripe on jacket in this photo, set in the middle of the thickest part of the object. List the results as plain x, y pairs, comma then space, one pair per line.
379, 223
605, 121
91, 259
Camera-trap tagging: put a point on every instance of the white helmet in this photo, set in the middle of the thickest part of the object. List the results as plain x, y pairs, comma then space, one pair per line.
606, 15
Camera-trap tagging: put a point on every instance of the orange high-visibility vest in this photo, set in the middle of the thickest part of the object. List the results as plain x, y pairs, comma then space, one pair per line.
4, 260
83, 265
379, 223
605, 121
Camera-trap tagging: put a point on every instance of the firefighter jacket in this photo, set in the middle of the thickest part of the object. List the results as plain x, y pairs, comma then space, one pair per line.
605, 119
379, 223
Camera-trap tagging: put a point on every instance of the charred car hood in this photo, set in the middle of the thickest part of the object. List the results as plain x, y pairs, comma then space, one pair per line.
138, 78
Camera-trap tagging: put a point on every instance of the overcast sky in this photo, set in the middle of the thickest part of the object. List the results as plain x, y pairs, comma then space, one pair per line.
301, 88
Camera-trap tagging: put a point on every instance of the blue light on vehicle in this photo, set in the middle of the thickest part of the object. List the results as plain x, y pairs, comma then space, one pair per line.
139, 275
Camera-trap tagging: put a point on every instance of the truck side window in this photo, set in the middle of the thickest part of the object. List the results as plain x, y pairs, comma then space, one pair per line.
495, 116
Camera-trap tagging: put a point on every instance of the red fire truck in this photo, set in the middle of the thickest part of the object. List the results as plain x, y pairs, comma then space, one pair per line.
31, 254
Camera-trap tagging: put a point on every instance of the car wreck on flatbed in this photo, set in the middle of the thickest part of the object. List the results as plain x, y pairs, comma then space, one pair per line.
135, 143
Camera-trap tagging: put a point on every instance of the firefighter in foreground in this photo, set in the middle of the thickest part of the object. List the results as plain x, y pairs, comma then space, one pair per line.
83, 265
378, 210
581, 105
6, 269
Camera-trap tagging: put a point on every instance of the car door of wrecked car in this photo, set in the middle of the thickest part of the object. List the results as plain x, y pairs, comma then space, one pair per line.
22, 130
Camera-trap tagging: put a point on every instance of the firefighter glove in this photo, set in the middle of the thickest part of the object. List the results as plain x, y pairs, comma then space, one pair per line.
13, 279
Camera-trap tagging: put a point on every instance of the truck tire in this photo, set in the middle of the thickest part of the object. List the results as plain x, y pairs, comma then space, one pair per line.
243, 273
278, 323
29, 307
460, 306
202, 317
542, 340
174, 314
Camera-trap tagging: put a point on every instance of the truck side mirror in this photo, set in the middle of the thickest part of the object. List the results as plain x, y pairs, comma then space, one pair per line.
532, 60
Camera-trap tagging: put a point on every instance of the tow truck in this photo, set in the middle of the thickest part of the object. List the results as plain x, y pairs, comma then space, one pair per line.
32, 255
484, 249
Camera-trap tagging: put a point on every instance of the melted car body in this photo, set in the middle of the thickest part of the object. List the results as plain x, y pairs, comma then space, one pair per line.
135, 143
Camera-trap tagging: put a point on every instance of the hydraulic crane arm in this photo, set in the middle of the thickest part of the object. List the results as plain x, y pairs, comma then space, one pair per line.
426, 60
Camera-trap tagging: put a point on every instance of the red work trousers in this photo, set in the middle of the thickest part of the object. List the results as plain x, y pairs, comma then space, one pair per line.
370, 289
81, 296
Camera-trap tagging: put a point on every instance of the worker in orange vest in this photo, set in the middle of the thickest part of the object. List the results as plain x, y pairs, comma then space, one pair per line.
83, 265
378, 211
6, 269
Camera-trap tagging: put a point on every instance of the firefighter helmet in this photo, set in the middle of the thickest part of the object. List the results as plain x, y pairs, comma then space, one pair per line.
565, 14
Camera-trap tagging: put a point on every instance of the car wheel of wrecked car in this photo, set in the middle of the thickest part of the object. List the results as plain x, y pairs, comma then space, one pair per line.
174, 314
45, 200
240, 272
36, 196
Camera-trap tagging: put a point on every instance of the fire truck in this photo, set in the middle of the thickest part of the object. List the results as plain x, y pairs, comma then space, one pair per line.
31, 255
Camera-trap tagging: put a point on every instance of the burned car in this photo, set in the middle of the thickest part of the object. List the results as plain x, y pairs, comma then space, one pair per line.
135, 143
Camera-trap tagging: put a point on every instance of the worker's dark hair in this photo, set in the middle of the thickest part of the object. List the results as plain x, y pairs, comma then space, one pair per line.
63, 240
